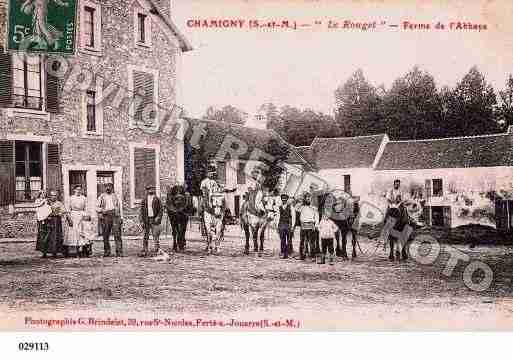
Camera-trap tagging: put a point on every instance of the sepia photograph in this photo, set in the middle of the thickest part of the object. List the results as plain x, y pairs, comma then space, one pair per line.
243, 165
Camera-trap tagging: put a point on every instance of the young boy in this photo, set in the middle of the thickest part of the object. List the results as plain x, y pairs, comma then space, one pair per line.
327, 230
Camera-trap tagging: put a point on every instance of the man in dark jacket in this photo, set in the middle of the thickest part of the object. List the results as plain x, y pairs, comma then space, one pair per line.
151, 217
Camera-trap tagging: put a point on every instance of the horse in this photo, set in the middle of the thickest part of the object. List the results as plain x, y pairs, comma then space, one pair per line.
342, 210
259, 218
402, 220
213, 218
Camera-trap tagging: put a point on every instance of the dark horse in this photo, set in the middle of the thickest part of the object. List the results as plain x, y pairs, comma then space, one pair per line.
399, 233
179, 208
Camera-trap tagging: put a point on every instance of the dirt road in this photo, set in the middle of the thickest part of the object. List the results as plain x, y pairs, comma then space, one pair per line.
367, 293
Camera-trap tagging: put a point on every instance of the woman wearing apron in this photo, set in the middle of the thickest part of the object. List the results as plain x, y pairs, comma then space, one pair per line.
75, 240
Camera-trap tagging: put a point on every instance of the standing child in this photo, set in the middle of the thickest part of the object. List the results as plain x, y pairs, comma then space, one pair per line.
327, 230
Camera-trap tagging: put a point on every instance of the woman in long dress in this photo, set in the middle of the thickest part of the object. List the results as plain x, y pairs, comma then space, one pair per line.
75, 240
55, 237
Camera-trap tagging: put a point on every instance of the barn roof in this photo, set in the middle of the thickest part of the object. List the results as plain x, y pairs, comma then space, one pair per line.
346, 152
216, 132
456, 152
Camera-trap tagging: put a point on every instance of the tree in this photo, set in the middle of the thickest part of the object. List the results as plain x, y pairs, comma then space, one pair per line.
505, 110
228, 114
411, 107
358, 107
472, 107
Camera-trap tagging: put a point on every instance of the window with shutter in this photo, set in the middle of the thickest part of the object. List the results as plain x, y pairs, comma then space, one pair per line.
5, 79
144, 89
6, 173
144, 170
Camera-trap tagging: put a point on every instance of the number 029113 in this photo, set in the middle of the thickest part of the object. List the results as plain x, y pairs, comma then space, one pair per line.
36, 346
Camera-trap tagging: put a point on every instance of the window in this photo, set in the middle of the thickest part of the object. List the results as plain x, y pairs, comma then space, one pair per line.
29, 170
143, 84
438, 188
78, 178
347, 183
241, 176
103, 178
89, 26
142, 29
27, 82
91, 111
141, 22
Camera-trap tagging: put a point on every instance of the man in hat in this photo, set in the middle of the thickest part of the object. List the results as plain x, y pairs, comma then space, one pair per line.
151, 217
286, 221
109, 212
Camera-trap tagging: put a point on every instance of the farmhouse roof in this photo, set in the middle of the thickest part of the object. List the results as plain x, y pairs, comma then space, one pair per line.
456, 152
216, 132
346, 152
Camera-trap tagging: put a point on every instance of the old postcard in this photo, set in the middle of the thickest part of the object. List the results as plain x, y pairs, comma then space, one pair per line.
243, 165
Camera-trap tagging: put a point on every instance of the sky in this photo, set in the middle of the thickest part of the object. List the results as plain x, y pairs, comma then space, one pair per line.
248, 67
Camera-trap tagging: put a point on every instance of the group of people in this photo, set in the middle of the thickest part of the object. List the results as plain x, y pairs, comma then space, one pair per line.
318, 230
323, 233
71, 232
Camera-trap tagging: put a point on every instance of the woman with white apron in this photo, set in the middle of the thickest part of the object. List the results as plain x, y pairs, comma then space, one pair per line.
75, 240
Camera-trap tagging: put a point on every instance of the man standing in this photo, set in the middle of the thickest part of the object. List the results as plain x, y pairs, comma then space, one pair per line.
151, 217
309, 219
286, 222
179, 207
244, 221
109, 213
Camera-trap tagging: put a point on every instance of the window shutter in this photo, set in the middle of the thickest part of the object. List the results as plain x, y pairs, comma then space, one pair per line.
221, 172
144, 170
5, 79
151, 170
6, 173
52, 91
53, 168
139, 172
143, 86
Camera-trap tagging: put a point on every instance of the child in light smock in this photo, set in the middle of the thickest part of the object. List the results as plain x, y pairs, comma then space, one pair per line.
327, 230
